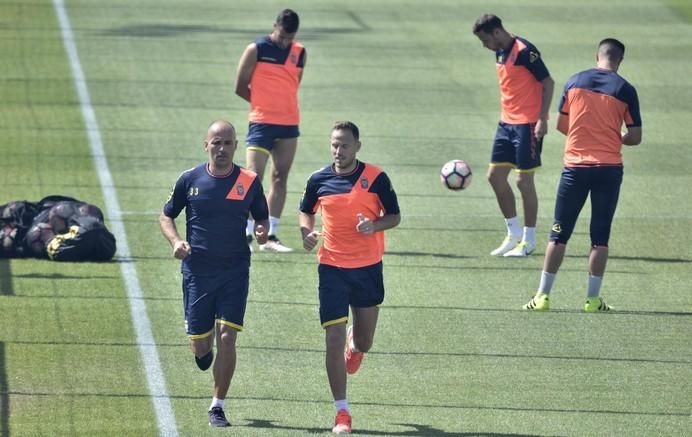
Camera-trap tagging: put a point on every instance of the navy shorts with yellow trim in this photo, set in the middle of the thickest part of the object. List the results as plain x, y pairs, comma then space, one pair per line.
517, 146
218, 297
261, 136
360, 287
602, 183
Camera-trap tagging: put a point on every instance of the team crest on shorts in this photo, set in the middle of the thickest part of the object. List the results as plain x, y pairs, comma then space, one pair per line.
364, 183
556, 228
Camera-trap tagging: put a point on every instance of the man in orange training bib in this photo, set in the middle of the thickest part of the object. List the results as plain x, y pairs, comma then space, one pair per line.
268, 76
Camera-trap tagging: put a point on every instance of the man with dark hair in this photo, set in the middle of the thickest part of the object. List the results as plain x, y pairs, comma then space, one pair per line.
217, 197
268, 76
357, 203
594, 106
526, 90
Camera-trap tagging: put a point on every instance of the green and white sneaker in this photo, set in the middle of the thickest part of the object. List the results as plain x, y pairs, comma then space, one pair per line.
509, 243
596, 305
523, 249
540, 302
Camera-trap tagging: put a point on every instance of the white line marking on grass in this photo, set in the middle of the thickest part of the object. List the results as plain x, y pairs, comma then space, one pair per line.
145, 339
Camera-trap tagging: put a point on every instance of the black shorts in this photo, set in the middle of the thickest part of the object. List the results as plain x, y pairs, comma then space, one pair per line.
216, 298
515, 145
360, 287
576, 183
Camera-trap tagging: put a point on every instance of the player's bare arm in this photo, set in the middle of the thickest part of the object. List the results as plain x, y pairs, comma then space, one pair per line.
246, 66
261, 231
367, 226
307, 225
633, 136
181, 248
563, 124
305, 62
546, 98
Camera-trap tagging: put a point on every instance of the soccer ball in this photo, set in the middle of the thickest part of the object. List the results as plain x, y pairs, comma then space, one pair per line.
59, 216
38, 237
456, 174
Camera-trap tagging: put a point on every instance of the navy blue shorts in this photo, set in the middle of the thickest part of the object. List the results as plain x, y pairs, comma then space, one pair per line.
261, 136
576, 183
517, 146
221, 297
360, 287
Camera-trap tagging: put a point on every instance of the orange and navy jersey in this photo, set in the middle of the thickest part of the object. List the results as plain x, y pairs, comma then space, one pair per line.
216, 212
368, 191
274, 83
520, 70
597, 103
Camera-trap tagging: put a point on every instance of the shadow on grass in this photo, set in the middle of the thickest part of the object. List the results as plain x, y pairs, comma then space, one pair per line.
416, 430
6, 288
61, 276
527, 409
4, 396
402, 354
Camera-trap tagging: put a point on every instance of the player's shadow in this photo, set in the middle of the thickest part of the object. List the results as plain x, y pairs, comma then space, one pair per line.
6, 288
430, 254
416, 430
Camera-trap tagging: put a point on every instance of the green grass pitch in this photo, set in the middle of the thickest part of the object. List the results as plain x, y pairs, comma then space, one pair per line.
454, 355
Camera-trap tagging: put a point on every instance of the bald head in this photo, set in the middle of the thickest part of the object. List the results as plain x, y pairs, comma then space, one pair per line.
220, 128
220, 144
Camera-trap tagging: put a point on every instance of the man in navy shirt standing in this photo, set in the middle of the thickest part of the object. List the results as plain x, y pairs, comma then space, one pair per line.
217, 197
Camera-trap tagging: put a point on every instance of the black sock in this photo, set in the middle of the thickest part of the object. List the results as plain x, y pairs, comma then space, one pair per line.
205, 362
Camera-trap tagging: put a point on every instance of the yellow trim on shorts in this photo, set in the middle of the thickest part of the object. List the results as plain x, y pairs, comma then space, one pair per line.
527, 170
201, 336
231, 324
334, 322
259, 149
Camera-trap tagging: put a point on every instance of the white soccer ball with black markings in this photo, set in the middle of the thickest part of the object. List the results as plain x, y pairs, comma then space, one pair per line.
456, 174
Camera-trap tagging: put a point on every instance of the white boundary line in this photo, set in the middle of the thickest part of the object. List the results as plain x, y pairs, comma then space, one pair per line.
145, 338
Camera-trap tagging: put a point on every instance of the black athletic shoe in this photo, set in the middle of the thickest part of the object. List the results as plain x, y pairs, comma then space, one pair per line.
205, 362
217, 419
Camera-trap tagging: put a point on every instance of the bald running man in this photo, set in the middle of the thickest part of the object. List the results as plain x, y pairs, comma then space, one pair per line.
217, 197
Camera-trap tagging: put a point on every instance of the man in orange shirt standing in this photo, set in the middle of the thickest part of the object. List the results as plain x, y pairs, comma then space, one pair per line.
268, 76
358, 203
526, 90
594, 106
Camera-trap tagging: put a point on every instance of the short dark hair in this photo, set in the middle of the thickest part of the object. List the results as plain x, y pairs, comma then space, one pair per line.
347, 125
486, 23
288, 20
612, 49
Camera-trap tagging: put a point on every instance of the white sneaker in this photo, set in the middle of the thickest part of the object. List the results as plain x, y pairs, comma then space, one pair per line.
273, 244
509, 243
523, 249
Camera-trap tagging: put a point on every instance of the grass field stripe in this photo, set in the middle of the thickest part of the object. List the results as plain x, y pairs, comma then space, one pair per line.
145, 339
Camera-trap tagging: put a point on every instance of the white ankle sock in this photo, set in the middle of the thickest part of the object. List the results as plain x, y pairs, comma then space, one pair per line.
546, 283
513, 226
342, 405
273, 225
594, 286
215, 402
530, 234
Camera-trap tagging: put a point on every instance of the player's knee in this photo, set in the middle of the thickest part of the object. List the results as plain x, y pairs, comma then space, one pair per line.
525, 185
227, 337
280, 178
200, 347
363, 343
335, 339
